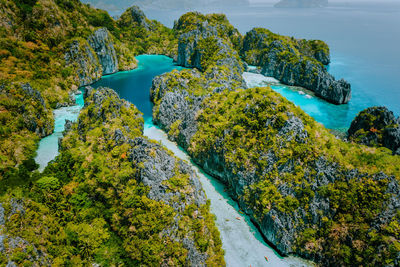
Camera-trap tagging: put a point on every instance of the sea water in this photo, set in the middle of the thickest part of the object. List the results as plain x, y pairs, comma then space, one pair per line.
48, 146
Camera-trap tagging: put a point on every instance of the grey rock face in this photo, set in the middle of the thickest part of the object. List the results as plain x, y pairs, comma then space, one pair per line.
103, 46
35, 94
11, 264
67, 126
82, 56
281, 62
138, 16
2, 248
158, 167
17, 206
187, 54
2, 219
176, 105
31, 120
308, 74
391, 139
92, 58
191, 54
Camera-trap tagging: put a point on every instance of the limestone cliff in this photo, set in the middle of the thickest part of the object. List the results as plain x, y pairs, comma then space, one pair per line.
295, 62
81, 56
101, 43
376, 126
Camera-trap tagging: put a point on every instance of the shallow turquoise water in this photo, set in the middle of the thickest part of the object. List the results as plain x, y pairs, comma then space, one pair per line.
332, 116
48, 146
135, 85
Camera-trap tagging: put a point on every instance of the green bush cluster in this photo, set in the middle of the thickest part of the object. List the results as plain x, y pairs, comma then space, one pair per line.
243, 126
33, 50
89, 207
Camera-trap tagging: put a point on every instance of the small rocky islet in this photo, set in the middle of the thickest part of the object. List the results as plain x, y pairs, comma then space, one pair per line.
115, 197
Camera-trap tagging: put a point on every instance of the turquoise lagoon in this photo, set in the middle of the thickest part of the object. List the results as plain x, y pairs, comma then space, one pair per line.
48, 146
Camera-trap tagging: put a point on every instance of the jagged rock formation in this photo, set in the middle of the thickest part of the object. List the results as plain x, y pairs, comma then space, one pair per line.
376, 126
301, 3
135, 15
208, 44
295, 62
32, 110
81, 56
103, 46
12, 245
92, 58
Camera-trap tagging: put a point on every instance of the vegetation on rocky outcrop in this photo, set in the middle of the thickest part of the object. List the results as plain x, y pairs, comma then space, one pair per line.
112, 197
310, 193
376, 126
57, 46
294, 62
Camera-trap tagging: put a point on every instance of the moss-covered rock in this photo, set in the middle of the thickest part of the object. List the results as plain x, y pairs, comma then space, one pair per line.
114, 197
376, 126
309, 192
294, 62
24, 116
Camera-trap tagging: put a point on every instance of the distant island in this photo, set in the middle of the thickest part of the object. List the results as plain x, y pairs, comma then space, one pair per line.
301, 3
162, 4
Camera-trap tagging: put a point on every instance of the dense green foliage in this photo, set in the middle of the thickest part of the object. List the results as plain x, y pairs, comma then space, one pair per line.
89, 205
34, 36
233, 124
195, 20
263, 41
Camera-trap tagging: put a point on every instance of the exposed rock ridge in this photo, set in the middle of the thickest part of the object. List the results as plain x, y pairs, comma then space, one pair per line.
207, 48
93, 57
176, 106
103, 46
